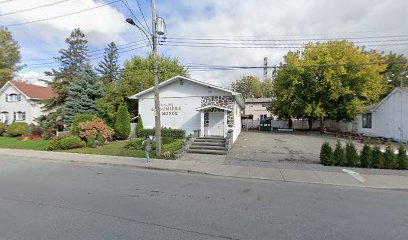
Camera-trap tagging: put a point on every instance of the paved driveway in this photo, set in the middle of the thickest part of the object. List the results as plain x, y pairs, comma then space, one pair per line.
278, 149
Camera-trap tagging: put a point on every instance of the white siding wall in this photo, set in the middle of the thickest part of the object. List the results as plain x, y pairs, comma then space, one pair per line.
30, 107
237, 122
187, 97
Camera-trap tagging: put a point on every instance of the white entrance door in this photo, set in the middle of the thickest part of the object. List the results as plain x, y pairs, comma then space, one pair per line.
216, 123
4, 117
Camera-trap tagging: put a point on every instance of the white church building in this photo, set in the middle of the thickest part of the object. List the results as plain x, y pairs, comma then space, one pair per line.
194, 106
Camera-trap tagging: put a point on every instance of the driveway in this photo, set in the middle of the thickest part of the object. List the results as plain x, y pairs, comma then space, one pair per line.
277, 149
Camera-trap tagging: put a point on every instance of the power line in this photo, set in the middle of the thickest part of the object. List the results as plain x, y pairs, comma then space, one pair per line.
29, 9
144, 19
60, 16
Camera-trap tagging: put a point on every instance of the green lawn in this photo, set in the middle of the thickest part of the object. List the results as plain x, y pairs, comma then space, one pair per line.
7, 142
117, 149
111, 149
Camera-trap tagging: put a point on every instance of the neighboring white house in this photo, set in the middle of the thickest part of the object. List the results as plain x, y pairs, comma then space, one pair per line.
193, 106
20, 101
257, 108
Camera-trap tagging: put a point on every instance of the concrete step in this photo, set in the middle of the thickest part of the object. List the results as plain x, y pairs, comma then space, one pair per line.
211, 137
220, 144
207, 151
207, 147
209, 140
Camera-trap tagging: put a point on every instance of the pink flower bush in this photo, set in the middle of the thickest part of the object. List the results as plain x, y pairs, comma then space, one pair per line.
94, 127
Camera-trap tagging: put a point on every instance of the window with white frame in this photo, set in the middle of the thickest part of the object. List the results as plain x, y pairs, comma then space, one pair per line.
13, 97
20, 116
367, 120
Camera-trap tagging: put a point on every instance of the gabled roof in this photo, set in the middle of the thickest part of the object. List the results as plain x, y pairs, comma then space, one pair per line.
213, 106
238, 96
398, 89
258, 100
31, 91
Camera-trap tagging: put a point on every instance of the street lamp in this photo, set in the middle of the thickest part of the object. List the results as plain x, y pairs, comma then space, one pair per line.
153, 46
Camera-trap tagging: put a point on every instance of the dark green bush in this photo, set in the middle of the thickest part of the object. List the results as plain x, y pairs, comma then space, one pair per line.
389, 160
351, 154
81, 118
55, 142
339, 155
326, 154
366, 156
18, 129
139, 126
134, 144
165, 132
402, 157
90, 141
167, 140
1, 128
100, 139
71, 143
377, 157
122, 123
47, 134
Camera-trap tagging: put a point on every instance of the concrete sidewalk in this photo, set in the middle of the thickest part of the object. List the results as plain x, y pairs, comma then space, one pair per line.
348, 178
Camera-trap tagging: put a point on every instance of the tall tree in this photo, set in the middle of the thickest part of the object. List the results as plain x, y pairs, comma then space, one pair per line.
9, 56
108, 68
83, 92
397, 70
248, 86
71, 60
137, 76
333, 80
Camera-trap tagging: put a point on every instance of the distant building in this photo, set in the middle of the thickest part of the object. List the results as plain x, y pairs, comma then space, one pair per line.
194, 106
255, 111
21, 102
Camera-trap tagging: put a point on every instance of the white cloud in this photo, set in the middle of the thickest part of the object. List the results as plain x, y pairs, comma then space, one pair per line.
33, 77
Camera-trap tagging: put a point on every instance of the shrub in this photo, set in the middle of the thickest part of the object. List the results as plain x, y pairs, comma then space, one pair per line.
326, 154
134, 144
366, 156
122, 123
47, 135
402, 157
377, 157
81, 118
18, 129
101, 140
167, 140
389, 156
90, 141
351, 154
166, 132
55, 142
1, 128
71, 142
139, 126
94, 127
339, 155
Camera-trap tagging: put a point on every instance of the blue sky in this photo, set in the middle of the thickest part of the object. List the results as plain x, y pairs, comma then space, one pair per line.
284, 20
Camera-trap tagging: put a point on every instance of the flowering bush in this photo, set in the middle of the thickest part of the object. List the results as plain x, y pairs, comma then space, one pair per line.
95, 127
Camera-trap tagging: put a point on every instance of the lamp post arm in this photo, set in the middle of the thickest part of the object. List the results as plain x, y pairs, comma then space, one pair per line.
147, 35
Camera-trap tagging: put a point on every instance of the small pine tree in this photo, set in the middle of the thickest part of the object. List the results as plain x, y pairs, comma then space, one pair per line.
90, 141
122, 123
101, 139
351, 154
389, 156
326, 154
339, 155
366, 156
139, 125
109, 67
402, 156
377, 157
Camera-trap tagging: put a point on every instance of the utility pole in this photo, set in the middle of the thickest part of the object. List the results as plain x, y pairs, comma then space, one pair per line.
156, 83
265, 68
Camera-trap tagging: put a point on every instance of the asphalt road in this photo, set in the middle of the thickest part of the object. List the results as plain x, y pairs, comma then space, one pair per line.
49, 200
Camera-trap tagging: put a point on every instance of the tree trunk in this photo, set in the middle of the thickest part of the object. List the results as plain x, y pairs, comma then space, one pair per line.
310, 122
321, 125
290, 123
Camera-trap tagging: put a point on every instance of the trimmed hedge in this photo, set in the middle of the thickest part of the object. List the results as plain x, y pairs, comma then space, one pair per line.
55, 142
326, 154
18, 129
165, 133
71, 143
134, 144
122, 123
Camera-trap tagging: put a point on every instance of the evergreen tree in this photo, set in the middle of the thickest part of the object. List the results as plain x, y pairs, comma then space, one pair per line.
377, 161
402, 156
9, 56
326, 155
351, 154
108, 68
339, 155
122, 123
366, 156
83, 92
139, 126
389, 156
71, 61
